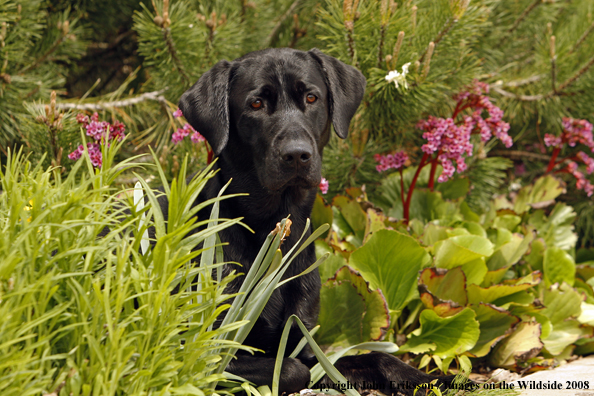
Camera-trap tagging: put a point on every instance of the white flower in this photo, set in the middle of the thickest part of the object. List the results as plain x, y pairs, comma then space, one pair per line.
399, 78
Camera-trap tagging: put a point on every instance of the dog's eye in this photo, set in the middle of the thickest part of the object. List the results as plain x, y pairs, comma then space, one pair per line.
311, 98
257, 104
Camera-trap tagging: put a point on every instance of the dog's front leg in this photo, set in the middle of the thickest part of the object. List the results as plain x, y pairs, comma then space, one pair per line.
259, 370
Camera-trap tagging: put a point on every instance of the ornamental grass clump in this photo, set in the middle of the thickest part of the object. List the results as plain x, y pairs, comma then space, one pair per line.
84, 312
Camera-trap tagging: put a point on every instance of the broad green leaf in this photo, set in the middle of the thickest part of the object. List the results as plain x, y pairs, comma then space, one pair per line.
587, 314
434, 233
507, 221
499, 236
391, 261
558, 267
332, 264
564, 334
350, 312
475, 271
440, 307
477, 294
352, 213
321, 214
557, 228
536, 256
494, 277
444, 337
510, 252
561, 302
375, 222
495, 323
454, 188
585, 270
543, 191
523, 344
474, 228
445, 284
526, 312
459, 250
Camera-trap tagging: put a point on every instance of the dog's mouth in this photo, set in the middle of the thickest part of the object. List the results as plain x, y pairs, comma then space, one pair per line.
299, 181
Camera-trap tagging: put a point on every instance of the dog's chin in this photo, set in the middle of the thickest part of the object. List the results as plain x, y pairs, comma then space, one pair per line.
300, 182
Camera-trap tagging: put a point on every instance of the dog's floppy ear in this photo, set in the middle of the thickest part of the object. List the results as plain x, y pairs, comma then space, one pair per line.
206, 105
346, 85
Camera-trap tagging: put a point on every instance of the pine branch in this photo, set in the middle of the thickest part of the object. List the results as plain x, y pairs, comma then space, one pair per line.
520, 155
446, 28
43, 57
523, 98
156, 96
275, 31
583, 38
523, 16
173, 53
577, 75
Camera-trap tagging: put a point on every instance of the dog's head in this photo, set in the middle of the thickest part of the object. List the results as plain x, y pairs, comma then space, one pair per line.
271, 111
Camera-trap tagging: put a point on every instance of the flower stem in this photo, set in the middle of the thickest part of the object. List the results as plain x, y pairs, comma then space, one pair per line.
432, 174
411, 188
554, 156
402, 187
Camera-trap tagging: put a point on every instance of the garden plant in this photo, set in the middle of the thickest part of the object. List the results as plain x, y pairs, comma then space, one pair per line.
460, 213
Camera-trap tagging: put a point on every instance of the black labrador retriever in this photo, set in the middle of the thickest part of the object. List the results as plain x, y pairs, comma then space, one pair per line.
268, 116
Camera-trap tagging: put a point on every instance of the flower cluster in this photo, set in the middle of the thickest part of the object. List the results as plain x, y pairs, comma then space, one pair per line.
574, 132
324, 185
581, 182
450, 141
186, 130
390, 161
101, 132
399, 78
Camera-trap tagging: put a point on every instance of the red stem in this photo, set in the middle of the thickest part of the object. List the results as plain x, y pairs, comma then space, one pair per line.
411, 188
432, 173
552, 163
402, 187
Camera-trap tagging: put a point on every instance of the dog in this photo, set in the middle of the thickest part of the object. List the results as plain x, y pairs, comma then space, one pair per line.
267, 117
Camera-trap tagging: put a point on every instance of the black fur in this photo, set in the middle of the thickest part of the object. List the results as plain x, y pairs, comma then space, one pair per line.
274, 153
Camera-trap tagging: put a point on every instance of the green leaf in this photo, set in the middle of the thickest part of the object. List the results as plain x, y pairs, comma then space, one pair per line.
454, 188
587, 314
523, 344
477, 294
561, 302
557, 229
321, 214
459, 250
332, 264
352, 213
558, 267
507, 221
350, 312
444, 337
391, 261
543, 191
495, 323
475, 271
564, 334
446, 285
510, 252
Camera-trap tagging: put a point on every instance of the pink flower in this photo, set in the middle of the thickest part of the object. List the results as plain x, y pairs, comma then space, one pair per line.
116, 130
181, 133
577, 131
197, 137
100, 131
177, 113
324, 185
552, 140
390, 161
94, 153
586, 160
581, 182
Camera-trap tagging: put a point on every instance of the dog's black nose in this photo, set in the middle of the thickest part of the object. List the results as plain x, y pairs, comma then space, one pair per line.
296, 154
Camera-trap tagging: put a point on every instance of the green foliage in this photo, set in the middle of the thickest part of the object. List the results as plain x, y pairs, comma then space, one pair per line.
90, 314
483, 280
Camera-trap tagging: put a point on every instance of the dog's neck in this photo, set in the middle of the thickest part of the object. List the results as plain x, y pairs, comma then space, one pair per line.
262, 209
